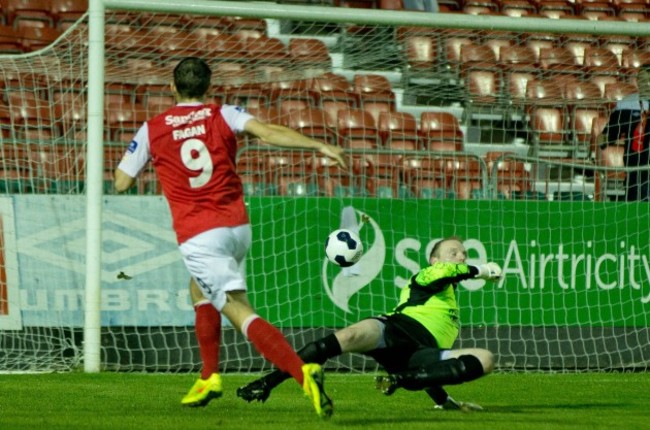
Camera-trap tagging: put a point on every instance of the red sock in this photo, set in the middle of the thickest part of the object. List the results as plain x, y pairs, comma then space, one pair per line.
273, 346
208, 334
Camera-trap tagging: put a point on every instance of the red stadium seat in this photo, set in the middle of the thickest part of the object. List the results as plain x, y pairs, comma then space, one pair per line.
543, 92
611, 184
373, 87
555, 8
517, 8
601, 61
558, 60
310, 53
356, 129
311, 122
10, 41
65, 12
467, 178
453, 43
500, 40
290, 173
440, 127
538, 41
28, 13
509, 177
398, 130
582, 121
35, 38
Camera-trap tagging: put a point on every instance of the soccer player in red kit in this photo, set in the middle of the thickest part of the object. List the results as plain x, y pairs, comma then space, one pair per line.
192, 147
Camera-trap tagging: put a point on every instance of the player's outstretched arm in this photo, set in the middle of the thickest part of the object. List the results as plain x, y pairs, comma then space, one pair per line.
278, 135
489, 271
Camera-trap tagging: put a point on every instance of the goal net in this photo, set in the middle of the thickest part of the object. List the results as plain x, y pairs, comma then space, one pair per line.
452, 127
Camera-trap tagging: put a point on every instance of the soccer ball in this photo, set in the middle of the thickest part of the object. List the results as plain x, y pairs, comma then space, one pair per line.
343, 247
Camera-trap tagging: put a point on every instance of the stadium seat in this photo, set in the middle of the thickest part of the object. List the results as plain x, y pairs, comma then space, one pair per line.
372, 87
453, 42
252, 170
582, 92
476, 56
508, 177
618, 44
154, 97
28, 13
398, 130
35, 38
484, 97
332, 93
237, 23
555, 9
425, 177
10, 41
32, 117
538, 41
267, 50
517, 8
582, 120
289, 95
310, 53
311, 122
518, 64
59, 168
123, 120
610, 184
467, 178
421, 57
602, 80
600, 61
391, 4
558, 60
545, 92
65, 12
595, 9
500, 40
225, 47
480, 7
440, 127
290, 173
634, 59
616, 91
598, 125
248, 96
335, 181
577, 43
548, 125
633, 12
175, 46
356, 129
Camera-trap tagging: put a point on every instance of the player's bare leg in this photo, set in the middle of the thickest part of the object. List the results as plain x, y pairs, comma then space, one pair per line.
208, 335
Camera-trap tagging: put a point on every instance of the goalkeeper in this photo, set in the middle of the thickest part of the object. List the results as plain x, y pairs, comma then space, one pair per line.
413, 342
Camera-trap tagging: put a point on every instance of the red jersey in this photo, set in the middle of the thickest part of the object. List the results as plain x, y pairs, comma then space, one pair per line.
193, 149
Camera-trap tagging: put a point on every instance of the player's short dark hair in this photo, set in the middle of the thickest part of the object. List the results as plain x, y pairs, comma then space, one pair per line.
192, 77
435, 251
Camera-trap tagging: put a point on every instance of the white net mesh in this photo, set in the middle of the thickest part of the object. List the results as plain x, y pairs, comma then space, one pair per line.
488, 135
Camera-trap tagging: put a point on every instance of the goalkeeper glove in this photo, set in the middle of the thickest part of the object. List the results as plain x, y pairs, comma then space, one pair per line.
489, 271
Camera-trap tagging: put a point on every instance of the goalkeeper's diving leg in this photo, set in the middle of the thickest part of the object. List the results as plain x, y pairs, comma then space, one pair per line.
456, 367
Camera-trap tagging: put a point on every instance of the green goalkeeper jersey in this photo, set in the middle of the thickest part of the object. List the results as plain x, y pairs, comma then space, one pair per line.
430, 299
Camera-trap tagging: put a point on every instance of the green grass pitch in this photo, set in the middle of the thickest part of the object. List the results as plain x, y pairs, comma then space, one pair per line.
152, 401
